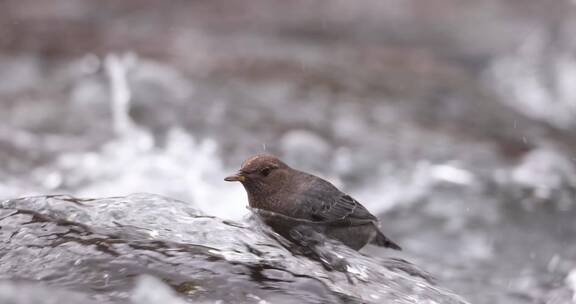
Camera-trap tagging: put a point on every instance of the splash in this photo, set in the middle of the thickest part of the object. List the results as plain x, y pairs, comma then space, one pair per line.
538, 79
117, 71
184, 167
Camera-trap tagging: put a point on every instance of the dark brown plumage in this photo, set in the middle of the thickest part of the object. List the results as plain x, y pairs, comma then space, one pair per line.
301, 199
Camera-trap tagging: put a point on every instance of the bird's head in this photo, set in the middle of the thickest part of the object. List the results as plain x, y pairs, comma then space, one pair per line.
261, 174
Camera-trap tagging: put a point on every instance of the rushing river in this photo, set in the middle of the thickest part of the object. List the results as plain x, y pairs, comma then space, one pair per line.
472, 170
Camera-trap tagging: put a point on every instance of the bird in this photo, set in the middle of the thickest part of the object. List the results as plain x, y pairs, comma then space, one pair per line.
294, 202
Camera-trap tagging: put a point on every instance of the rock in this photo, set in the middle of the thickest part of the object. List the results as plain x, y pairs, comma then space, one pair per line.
98, 248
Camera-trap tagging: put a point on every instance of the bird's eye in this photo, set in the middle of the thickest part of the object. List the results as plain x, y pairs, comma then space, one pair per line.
265, 171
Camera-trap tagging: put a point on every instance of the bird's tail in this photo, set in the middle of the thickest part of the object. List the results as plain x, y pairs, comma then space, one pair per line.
382, 241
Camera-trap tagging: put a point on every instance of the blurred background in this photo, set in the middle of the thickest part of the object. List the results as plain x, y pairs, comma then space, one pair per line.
454, 121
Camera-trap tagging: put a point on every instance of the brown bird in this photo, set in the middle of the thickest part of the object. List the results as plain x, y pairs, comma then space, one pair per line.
300, 198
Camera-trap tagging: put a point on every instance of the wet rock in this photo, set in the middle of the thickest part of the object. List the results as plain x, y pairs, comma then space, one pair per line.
100, 248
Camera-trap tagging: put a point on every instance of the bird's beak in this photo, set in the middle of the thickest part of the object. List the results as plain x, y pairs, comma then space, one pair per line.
238, 177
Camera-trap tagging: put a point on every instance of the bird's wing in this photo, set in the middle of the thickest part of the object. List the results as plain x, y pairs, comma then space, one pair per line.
344, 209
328, 204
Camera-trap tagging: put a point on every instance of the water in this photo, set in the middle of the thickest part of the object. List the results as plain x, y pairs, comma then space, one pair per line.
508, 226
462, 143
104, 248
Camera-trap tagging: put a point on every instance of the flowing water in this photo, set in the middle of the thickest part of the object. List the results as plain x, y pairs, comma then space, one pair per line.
471, 170
104, 249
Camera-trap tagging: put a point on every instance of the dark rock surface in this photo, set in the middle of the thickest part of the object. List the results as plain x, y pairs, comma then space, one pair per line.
104, 249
